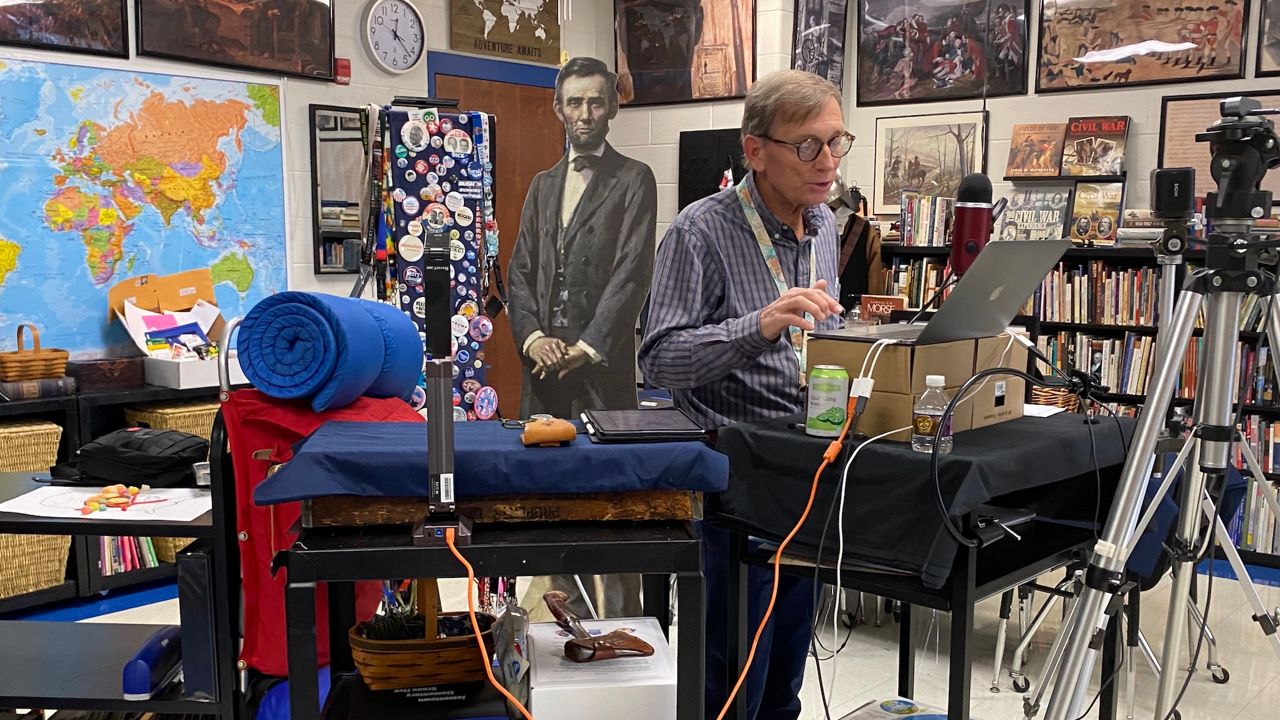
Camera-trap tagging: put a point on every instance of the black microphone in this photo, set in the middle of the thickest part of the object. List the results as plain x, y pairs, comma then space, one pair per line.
971, 228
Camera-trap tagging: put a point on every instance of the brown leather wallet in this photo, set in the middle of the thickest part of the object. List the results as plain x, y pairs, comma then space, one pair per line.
548, 433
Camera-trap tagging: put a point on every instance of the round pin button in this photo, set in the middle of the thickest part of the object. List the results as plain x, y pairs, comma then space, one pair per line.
470, 385
420, 307
446, 125
464, 356
436, 216
402, 151
464, 216
434, 159
459, 415
419, 399
469, 397
421, 166
411, 205
415, 228
478, 364
457, 250
436, 141
462, 119
432, 178
453, 201
410, 176
402, 163
486, 402
457, 398
410, 248
449, 162
459, 326
475, 169
481, 328
398, 194
458, 142
415, 135
412, 274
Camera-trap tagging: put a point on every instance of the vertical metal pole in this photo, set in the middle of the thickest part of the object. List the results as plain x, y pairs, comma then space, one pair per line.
1214, 424
1073, 681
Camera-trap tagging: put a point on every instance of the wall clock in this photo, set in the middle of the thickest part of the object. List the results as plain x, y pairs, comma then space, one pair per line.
393, 35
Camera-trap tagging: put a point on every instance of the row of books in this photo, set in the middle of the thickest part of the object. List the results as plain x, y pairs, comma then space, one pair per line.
1096, 293
1121, 364
1254, 527
1263, 436
916, 280
1252, 314
926, 220
126, 554
332, 254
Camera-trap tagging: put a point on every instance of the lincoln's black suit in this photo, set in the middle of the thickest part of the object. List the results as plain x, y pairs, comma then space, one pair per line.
607, 255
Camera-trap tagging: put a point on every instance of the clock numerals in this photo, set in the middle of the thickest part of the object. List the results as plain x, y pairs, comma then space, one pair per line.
403, 34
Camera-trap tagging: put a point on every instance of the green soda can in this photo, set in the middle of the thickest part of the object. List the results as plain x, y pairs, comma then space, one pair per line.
828, 398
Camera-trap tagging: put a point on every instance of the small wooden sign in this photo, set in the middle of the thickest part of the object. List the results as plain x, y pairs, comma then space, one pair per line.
527, 30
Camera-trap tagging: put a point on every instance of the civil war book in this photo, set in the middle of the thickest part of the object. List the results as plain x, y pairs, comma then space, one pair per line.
1095, 213
1035, 150
1095, 146
1036, 214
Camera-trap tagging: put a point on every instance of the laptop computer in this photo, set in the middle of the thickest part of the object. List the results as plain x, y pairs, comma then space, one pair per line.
983, 303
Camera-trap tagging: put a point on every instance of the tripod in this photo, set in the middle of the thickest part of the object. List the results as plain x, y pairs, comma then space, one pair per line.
1244, 146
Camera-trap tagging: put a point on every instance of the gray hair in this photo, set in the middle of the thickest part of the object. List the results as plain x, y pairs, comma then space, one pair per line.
785, 96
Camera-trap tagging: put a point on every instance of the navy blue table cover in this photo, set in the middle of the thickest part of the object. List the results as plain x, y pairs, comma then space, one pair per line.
390, 460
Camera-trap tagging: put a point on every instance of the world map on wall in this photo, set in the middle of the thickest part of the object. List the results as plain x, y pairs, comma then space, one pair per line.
106, 174
515, 12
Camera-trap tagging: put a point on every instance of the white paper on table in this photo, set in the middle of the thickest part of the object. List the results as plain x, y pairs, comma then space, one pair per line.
178, 504
203, 314
1040, 411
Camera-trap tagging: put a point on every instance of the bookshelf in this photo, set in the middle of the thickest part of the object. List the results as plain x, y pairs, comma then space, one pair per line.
1061, 179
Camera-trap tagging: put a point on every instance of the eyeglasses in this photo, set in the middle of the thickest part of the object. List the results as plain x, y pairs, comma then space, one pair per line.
809, 148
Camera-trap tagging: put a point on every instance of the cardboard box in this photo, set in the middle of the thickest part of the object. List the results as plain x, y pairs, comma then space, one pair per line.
635, 687
902, 368
178, 292
182, 374
1001, 398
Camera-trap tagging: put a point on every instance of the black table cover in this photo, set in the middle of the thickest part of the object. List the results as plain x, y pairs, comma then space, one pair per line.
889, 516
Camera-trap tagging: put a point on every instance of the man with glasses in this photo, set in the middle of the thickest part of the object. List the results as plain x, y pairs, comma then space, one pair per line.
739, 279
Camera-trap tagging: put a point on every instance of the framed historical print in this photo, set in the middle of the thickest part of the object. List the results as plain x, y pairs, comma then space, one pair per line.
1181, 117
677, 51
818, 42
94, 27
281, 37
926, 154
1123, 43
915, 50
1269, 39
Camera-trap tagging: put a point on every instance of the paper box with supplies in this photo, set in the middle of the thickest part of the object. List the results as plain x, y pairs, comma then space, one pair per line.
900, 377
633, 687
1000, 398
152, 304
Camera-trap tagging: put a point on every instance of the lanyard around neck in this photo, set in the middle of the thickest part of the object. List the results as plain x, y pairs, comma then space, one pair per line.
797, 337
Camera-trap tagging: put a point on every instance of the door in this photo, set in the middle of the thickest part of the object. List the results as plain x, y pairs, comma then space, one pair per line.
528, 140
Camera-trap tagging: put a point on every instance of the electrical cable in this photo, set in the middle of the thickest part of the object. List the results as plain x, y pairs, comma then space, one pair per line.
947, 282
577, 579
475, 626
832, 451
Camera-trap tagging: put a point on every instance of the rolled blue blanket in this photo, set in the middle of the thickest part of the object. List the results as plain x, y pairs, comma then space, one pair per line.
330, 349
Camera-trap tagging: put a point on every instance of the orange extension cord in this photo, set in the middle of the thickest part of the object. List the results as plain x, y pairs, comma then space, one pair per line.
828, 457
475, 625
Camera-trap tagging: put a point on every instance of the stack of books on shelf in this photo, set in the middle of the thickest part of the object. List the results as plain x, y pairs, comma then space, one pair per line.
1254, 527
1095, 293
1122, 364
126, 554
926, 220
916, 280
332, 254
339, 216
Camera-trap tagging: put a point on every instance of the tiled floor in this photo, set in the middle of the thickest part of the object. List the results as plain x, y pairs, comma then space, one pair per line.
866, 669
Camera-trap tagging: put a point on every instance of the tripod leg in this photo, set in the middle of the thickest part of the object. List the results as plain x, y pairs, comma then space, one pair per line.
1214, 423
1006, 608
1260, 615
1197, 619
1106, 568
1020, 684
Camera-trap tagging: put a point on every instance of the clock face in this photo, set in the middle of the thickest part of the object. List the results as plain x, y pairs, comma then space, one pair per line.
394, 35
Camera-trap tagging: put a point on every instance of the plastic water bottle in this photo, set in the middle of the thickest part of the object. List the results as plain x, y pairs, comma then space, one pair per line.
928, 413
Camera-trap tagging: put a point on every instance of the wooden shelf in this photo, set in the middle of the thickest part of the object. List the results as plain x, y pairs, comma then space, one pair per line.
1065, 178
1099, 327
163, 571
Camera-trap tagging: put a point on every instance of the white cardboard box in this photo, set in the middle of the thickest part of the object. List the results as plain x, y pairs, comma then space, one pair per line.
182, 374
560, 689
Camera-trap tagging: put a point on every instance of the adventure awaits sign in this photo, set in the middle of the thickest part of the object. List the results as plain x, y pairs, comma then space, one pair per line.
526, 30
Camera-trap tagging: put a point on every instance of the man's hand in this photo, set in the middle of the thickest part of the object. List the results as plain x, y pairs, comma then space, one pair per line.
790, 308
574, 359
548, 355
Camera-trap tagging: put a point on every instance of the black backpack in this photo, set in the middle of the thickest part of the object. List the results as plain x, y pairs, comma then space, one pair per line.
137, 456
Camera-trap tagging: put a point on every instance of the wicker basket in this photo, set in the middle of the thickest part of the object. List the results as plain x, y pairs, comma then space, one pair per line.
398, 664
30, 445
34, 364
1057, 397
194, 418
35, 562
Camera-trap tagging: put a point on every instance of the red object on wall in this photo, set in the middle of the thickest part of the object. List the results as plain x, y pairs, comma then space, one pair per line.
342, 71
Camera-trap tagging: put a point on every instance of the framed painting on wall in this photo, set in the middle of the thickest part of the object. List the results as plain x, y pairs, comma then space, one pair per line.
94, 27
1269, 39
926, 154
677, 51
1124, 43
281, 37
818, 42
915, 50
1181, 117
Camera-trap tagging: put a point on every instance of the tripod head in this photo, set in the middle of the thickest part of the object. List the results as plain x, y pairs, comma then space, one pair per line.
1244, 146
